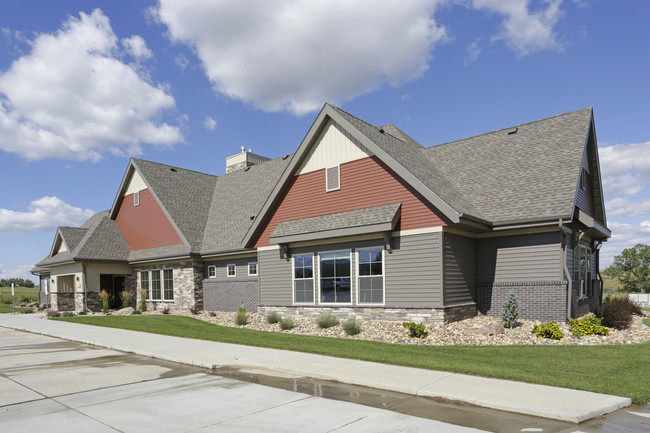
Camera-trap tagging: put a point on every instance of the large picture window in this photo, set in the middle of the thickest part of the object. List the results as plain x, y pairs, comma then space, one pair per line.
144, 283
156, 292
335, 280
168, 285
371, 276
303, 279
582, 270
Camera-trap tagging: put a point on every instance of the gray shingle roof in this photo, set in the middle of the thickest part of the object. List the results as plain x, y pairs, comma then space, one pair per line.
238, 196
72, 236
185, 194
370, 216
531, 174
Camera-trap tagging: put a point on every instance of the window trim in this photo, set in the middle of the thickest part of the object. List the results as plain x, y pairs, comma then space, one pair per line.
136, 198
148, 289
585, 289
160, 279
214, 267
293, 279
234, 270
338, 178
352, 279
383, 277
162, 287
256, 269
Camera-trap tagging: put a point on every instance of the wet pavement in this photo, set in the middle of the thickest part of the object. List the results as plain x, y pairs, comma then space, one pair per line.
49, 383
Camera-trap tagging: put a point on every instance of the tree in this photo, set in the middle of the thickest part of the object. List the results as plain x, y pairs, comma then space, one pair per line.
632, 268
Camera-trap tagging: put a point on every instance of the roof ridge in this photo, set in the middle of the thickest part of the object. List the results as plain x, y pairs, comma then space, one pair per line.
177, 167
509, 127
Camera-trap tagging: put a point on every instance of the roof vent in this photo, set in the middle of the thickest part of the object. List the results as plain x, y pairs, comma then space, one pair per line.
252, 217
285, 157
381, 130
172, 169
512, 130
247, 168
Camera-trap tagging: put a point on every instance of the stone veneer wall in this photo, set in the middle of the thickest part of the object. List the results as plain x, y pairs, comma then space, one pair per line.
421, 315
62, 301
541, 300
188, 285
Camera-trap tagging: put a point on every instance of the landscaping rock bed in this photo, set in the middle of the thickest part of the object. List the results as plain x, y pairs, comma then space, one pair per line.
477, 331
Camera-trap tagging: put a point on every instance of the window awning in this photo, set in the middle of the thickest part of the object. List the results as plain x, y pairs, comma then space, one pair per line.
374, 219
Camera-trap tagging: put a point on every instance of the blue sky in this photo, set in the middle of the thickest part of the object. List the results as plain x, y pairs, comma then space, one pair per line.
84, 85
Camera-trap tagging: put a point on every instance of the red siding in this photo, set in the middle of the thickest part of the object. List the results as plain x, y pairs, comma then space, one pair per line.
145, 226
584, 199
364, 183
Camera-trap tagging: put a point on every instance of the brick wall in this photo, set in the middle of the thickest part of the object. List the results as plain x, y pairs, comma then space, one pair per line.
542, 300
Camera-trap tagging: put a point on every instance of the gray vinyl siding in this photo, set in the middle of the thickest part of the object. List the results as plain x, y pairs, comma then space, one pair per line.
460, 269
413, 272
521, 258
241, 268
275, 278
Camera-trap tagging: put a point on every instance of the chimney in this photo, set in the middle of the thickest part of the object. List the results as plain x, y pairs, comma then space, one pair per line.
243, 159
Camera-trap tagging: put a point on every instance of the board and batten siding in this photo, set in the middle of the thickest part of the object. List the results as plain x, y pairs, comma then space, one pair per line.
146, 225
584, 197
364, 183
520, 258
412, 271
459, 278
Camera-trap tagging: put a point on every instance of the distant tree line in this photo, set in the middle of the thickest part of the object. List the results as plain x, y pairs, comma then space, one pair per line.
632, 269
18, 282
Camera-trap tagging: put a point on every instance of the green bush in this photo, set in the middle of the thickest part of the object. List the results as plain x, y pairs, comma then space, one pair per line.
617, 312
327, 321
241, 318
588, 325
143, 300
352, 327
136, 312
126, 298
286, 323
82, 313
273, 317
548, 330
415, 329
68, 314
510, 311
104, 296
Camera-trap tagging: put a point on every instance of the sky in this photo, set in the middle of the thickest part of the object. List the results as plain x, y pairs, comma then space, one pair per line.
85, 85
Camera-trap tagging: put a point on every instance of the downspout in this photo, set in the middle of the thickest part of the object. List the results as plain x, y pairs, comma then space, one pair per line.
566, 271
600, 277
85, 291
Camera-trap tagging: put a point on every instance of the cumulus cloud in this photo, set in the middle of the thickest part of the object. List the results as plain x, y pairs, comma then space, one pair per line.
294, 55
623, 206
525, 30
624, 235
17, 272
625, 168
45, 213
73, 98
209, 123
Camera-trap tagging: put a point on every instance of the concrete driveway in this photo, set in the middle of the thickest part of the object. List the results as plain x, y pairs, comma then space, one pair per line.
47, 384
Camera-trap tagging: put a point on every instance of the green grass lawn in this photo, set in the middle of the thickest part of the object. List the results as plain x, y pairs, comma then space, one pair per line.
9, 309
616, 369
22, 293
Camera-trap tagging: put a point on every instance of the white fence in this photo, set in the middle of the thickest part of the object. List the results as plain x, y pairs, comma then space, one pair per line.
642, 299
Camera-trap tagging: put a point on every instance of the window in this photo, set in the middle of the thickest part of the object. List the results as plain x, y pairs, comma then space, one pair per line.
335, 278
168, 285
136, 198
65, 284
332, 179
252, 268
156, 293
232, 270
582, 270
212, 271
371, 276
303, 279
144, 283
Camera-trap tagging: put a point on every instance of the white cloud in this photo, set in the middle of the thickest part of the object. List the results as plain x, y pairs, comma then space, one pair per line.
473, 52
524, 30
137, 47
625, 168
18, 272
72, 98
623, 206
45, 213
294, 55
209, 123
181, 61
624, 235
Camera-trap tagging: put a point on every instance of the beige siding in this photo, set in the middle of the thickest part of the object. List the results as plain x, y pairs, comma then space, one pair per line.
533, 257
275, 278
460, 269
93, 271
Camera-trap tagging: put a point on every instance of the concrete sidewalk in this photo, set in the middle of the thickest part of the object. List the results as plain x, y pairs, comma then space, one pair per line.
539, 400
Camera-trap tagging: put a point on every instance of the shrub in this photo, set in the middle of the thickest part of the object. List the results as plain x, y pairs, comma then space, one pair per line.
327, 321
54, 314
510, 311
415, 329
273, 317
195, 309
166, 310
126, 298
617, 312
4, 300
212, 314
25, 300
82, 313
548, 330
286, 323
143, 300
68, 314
352, 327
135, 312
588, 325
104, 296
241, 318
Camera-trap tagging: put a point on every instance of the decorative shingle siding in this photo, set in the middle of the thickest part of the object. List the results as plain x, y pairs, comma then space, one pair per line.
364, 183
538, 300
228, 295
146, 225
